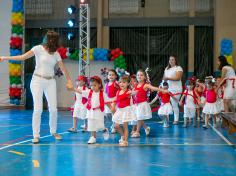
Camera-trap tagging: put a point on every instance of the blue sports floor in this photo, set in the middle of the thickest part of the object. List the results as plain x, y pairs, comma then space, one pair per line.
172, 151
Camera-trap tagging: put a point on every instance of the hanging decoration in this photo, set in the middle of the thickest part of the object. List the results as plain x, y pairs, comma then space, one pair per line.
97, 54
226, 49
16, 41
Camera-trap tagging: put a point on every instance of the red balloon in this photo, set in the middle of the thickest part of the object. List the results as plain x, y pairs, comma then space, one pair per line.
113, 52
62, 51
117, 50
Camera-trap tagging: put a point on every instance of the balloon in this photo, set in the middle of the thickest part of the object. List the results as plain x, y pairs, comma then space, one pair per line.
229, 59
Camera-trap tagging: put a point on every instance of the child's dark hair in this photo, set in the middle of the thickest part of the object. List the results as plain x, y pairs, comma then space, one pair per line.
165, 84
133, 76
112, 70
97, 80
211, 83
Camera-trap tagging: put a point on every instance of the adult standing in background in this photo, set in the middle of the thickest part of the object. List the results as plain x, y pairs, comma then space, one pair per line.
173, 74
229, 78
43, 81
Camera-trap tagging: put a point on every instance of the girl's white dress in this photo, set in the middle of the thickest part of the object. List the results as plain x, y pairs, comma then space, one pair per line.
189, 106
80, 109
95, 117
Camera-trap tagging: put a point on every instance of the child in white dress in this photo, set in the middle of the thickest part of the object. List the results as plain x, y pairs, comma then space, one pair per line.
95, 107
80, 104
166, 108
123, 110
189, 99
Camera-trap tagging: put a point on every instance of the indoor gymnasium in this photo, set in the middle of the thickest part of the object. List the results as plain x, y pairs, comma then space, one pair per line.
117, 87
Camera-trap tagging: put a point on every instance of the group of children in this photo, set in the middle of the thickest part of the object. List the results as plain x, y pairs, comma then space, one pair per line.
126, 101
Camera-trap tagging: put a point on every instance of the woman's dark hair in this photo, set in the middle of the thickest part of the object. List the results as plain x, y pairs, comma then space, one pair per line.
223, 62
52, 41
176, 61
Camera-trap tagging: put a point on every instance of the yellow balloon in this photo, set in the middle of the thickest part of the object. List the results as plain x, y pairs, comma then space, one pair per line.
230, 59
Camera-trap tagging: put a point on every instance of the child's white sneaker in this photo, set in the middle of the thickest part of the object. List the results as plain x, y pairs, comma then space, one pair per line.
121, 139
83, 126
135, 135
165, 125
147, 131
205, 126
92, 140
72, 130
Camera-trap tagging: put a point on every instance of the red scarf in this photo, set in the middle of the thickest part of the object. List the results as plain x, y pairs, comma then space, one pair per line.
101, 99
194, 96
84, 100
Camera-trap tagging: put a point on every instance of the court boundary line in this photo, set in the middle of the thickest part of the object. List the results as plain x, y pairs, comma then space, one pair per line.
222, 136
14, 144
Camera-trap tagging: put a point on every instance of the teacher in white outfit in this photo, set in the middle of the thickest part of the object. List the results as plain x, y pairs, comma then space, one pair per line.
43, 81
229, 79
173, 74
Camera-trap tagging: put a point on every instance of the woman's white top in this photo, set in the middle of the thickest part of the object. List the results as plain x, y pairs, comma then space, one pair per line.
229, 72
174, 86
45, 62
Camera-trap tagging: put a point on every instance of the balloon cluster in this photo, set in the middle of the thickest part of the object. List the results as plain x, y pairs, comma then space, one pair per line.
17, 18
16, 40
17, 6
100, 54
226, 49
63, 52
120, 62
91, 51
96, 54
15, 69
115, 53
73, 54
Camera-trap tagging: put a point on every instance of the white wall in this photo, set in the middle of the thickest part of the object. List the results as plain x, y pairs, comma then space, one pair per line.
66, 98
5, 26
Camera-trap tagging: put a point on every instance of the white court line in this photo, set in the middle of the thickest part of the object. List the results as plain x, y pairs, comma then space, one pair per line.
221, 136
14, 144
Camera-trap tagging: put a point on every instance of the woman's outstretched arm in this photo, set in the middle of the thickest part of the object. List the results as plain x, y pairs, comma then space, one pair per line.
22, 57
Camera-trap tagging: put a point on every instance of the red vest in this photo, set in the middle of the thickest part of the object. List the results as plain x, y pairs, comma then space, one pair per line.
141, 95
123, 100
211, 96
101, 99
112, 89
165, 98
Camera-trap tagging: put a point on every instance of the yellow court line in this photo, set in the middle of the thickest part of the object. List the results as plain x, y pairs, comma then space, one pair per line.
17, 153
36, 163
